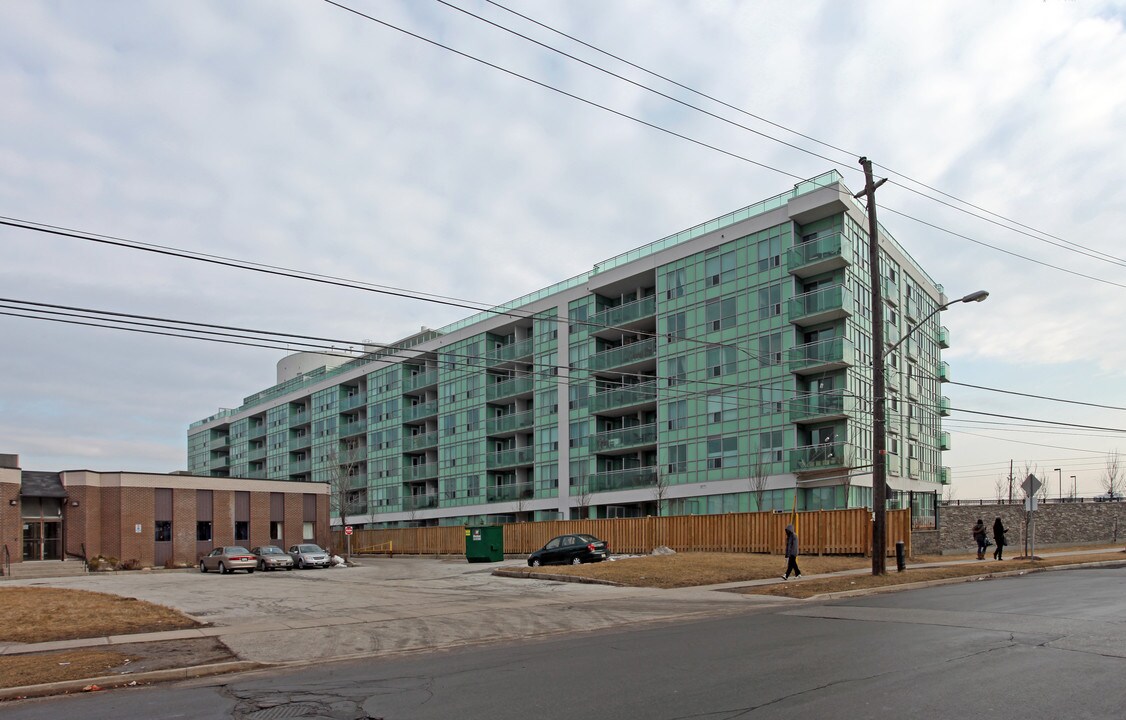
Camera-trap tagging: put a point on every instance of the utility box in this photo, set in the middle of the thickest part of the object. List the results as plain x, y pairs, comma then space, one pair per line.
484, 543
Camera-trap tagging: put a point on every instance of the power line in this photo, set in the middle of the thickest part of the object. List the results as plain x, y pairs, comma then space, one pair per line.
1037, 397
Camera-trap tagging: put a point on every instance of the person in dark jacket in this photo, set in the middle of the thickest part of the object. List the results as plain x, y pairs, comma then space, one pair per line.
999, 538
979, 538
791, 553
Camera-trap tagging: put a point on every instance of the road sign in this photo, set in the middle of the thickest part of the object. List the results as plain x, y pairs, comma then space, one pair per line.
347, 529
1031, 485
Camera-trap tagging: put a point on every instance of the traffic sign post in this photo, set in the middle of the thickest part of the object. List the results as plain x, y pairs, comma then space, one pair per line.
1031, 486
348, 541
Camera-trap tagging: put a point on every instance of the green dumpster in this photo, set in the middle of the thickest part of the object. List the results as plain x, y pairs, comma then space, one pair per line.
484, 543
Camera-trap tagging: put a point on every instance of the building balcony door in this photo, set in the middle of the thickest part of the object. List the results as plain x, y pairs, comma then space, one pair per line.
42, 539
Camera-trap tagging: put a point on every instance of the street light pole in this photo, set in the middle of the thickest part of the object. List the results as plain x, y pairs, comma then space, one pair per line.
1061, 482
1072, 487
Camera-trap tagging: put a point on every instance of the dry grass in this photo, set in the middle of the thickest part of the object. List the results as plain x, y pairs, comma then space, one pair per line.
693, 569
20, 670
35, 614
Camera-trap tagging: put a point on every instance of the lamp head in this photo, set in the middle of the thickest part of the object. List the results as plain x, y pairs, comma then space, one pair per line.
976, 296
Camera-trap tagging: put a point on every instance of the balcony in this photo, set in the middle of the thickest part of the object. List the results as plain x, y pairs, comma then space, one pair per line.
256, 474
891, 378
509, 492
624, 398
300, 443
412, 443
256, 453
299, 418
944, 475
510, 458
821, 407
420, 411
426, 471
943, 440
820, 306
256, 431
623, 317
629, 479
912, 349
821, 457
817, 256
822, 356
638, 353
420, 502
219, 460
624, 440
298, 467
509, 388
914, 428
510, 423
511, 351
944, 406
891, 334
356, 427
420, 381
889, 291
219, 442
943, 372
355, 400
914, 468
943, 337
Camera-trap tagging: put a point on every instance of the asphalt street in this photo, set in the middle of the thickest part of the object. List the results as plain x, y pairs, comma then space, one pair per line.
1044, 645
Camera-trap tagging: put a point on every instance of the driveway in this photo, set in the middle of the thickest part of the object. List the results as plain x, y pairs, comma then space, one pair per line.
386, 606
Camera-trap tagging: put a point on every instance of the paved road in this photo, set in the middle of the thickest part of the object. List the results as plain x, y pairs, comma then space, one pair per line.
1046, 645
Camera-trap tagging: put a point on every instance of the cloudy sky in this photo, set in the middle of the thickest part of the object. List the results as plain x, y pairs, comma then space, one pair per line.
302, 135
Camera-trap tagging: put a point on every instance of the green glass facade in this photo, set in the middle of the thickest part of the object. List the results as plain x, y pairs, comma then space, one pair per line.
663, 381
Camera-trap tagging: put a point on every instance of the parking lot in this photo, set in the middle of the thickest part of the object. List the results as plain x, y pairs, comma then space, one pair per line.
384, 606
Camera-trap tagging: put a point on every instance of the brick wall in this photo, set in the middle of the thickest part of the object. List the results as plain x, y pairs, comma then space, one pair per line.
260, 519
294, 511
11, 532
184, 517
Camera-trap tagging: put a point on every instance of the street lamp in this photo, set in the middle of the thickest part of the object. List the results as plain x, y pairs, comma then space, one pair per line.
879, 424
1072, 487
1061, 482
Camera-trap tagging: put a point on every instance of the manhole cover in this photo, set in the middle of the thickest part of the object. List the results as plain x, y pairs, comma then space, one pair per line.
292, 710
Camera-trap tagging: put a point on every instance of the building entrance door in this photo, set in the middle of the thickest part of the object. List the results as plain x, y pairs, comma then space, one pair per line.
42, 539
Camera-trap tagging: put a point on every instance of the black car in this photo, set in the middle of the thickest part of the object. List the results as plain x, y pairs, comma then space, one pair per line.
570, 549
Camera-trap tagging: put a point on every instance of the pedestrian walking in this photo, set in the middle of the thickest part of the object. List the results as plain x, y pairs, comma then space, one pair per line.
791, 553
979, 538
999, 538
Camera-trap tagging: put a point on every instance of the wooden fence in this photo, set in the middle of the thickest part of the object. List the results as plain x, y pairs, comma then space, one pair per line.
821, 532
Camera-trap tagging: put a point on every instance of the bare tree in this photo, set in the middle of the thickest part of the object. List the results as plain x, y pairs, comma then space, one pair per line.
1000, 487
661, 490
582, 499
759, 474
1111, 480
344, 473
948, 494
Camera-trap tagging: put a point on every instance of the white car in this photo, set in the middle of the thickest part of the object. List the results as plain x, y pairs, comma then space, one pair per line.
308, 555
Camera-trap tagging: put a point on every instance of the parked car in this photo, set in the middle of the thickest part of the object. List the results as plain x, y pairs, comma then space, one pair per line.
228, 559
308, 555
272, 557
570, 549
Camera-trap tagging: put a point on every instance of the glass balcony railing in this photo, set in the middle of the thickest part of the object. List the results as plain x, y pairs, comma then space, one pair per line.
623, 314
297, 467
420, 502
300, 443
639, 394
816, 457
943, 337
506, 388
256, 431
220, 460
632, 353
426, 471
510, 422
508, 458
629, 479
511, 351
889, 290
256, 454
256, 474
512, 491
421, 380
356, 427
836, 351
943, 372
821, 302
625, 438
350, 402
420, 442
944, 406
419, 411
819, 405
944, 475
299, 418
819, 251
943, 440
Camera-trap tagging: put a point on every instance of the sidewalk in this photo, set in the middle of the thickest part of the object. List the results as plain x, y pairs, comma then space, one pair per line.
459, 606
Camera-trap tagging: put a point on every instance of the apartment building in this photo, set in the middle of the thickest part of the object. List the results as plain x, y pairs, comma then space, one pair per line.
724, 368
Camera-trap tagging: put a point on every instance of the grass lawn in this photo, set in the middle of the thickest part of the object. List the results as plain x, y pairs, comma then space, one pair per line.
41, 614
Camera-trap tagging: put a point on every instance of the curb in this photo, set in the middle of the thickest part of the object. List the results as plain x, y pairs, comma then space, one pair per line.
66, 687
531, 574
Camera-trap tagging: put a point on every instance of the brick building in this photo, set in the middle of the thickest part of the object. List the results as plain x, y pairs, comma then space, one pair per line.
150, 518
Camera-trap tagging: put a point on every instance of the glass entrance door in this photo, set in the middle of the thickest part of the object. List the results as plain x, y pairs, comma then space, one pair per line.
42, 540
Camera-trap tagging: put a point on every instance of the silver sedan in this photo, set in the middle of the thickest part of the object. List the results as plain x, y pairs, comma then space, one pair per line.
308, 555
272, 557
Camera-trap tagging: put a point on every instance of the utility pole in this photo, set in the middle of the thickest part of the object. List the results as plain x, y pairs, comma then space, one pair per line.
879, 395
1010, 482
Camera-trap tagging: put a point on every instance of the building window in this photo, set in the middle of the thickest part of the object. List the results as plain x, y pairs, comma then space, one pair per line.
276, 528
308, 531
473, 486
720, 314
674, 371
163, 530
678, 459
203, 531
722, 452
772, 398
723, 406
677, 412
242, 530
675, 326
769, 301
769, 253
719, 268
674, 284
770, 446
720, 361
770, 349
